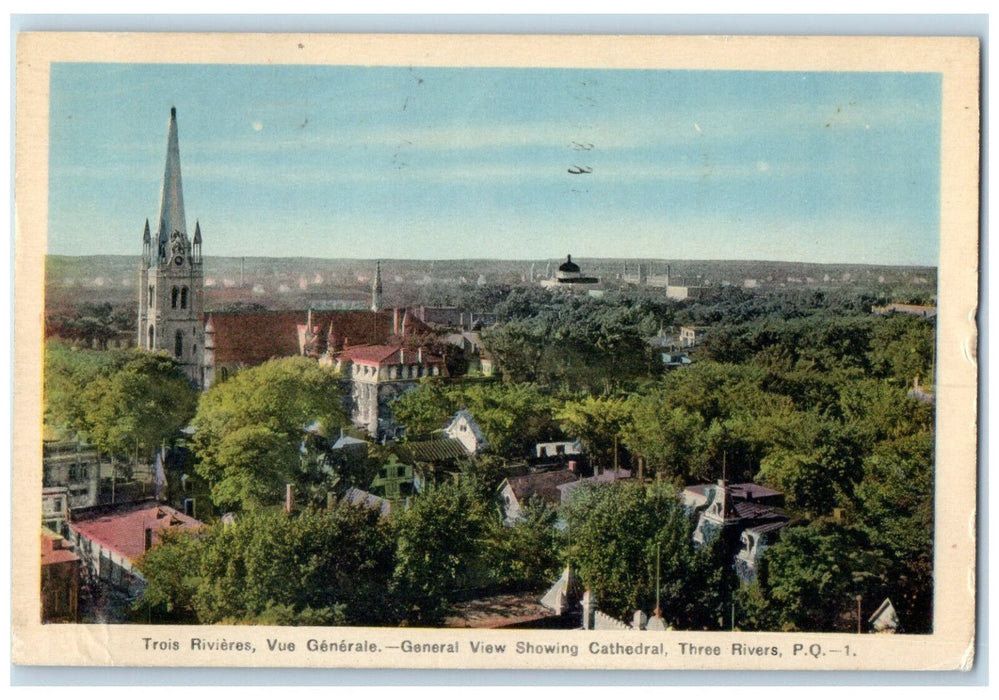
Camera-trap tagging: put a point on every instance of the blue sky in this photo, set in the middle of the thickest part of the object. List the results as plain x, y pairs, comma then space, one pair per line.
434, 163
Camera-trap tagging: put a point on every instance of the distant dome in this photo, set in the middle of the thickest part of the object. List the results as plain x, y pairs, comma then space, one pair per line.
568, 265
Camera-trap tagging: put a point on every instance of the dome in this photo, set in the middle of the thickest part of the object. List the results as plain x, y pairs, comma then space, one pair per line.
568, 265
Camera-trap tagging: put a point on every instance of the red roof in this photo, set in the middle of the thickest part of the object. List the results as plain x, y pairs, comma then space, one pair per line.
123, 528
53, 551
252, 337
379, 355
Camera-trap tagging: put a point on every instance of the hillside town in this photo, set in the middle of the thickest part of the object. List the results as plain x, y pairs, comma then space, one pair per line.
580, 445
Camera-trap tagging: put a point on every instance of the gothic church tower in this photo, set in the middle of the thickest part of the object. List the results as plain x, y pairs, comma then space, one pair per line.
171, 276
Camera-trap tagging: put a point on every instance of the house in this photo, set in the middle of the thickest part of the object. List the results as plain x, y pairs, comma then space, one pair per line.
110, 539
60, 580
747, 516
380, 373
884, 620
606, 477
72, 469
464, 429
692, 335
516, 491
395, 481
55, 501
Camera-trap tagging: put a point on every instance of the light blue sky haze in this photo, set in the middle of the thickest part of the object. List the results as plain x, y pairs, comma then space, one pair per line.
438, 163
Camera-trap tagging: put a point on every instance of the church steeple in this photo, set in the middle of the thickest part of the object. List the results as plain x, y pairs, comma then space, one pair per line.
172, 196
376, 288
146, 245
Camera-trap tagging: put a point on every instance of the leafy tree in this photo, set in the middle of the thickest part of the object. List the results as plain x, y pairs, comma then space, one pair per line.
270, 568
614, 530
248, 430
69, 371
667, 436
427, 408
597, 422
140, 406
440, 551
810, 577
528, 554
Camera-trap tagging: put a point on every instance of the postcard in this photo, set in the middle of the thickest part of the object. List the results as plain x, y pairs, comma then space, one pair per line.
495, 352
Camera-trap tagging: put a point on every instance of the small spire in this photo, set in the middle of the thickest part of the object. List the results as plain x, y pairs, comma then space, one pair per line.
145, 234
197, 231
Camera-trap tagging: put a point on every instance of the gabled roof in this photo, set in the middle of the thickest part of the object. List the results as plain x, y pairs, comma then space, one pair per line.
251, 338
473, 425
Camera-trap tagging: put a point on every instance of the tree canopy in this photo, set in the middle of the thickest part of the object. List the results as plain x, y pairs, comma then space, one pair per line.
249, 429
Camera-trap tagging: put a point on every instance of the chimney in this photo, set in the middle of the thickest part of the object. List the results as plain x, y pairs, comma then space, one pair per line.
395, 321
588, 609
419, 355
289, 498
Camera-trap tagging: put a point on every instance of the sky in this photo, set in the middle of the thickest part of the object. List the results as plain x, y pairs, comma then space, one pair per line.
532, 164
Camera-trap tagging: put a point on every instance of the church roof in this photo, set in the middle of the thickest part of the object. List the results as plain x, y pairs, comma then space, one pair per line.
172, 197
252, 337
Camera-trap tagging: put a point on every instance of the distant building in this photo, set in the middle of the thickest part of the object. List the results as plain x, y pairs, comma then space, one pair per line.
911, 309
570, 276
692, 335
60, 580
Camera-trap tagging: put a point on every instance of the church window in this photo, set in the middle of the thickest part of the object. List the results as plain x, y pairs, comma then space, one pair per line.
150, 296
152, 336
173, 297
183, 297
178, 344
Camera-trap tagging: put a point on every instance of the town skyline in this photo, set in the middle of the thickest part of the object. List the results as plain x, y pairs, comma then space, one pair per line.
454, 164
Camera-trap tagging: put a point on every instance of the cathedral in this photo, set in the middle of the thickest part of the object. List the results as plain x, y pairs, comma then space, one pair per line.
171, 276
380, 351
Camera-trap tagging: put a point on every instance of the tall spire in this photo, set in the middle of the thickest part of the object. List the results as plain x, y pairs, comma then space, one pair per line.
172, 197
376, 288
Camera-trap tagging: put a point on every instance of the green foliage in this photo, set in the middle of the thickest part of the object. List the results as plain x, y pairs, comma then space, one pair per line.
440, 551
513, 417
810, 576
269, 568
597, 422
526, 555
249, 429
614, 530
125, 403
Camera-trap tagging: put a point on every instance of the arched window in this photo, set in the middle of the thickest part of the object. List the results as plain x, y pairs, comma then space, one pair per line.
150, 296
173, 297
183, 297
178, 344
152, 337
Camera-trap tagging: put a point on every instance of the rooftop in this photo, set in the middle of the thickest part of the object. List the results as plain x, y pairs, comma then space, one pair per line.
122, 527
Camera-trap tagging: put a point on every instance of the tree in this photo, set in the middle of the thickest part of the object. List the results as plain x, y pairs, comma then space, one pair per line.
69, 371
597, 422
249, 429
811, 576
667, 436
426, 408
140, 406
317, 567
440, 551
614, 530
527, 555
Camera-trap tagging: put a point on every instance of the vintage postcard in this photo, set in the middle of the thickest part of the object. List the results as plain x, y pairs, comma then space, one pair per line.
525, 352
